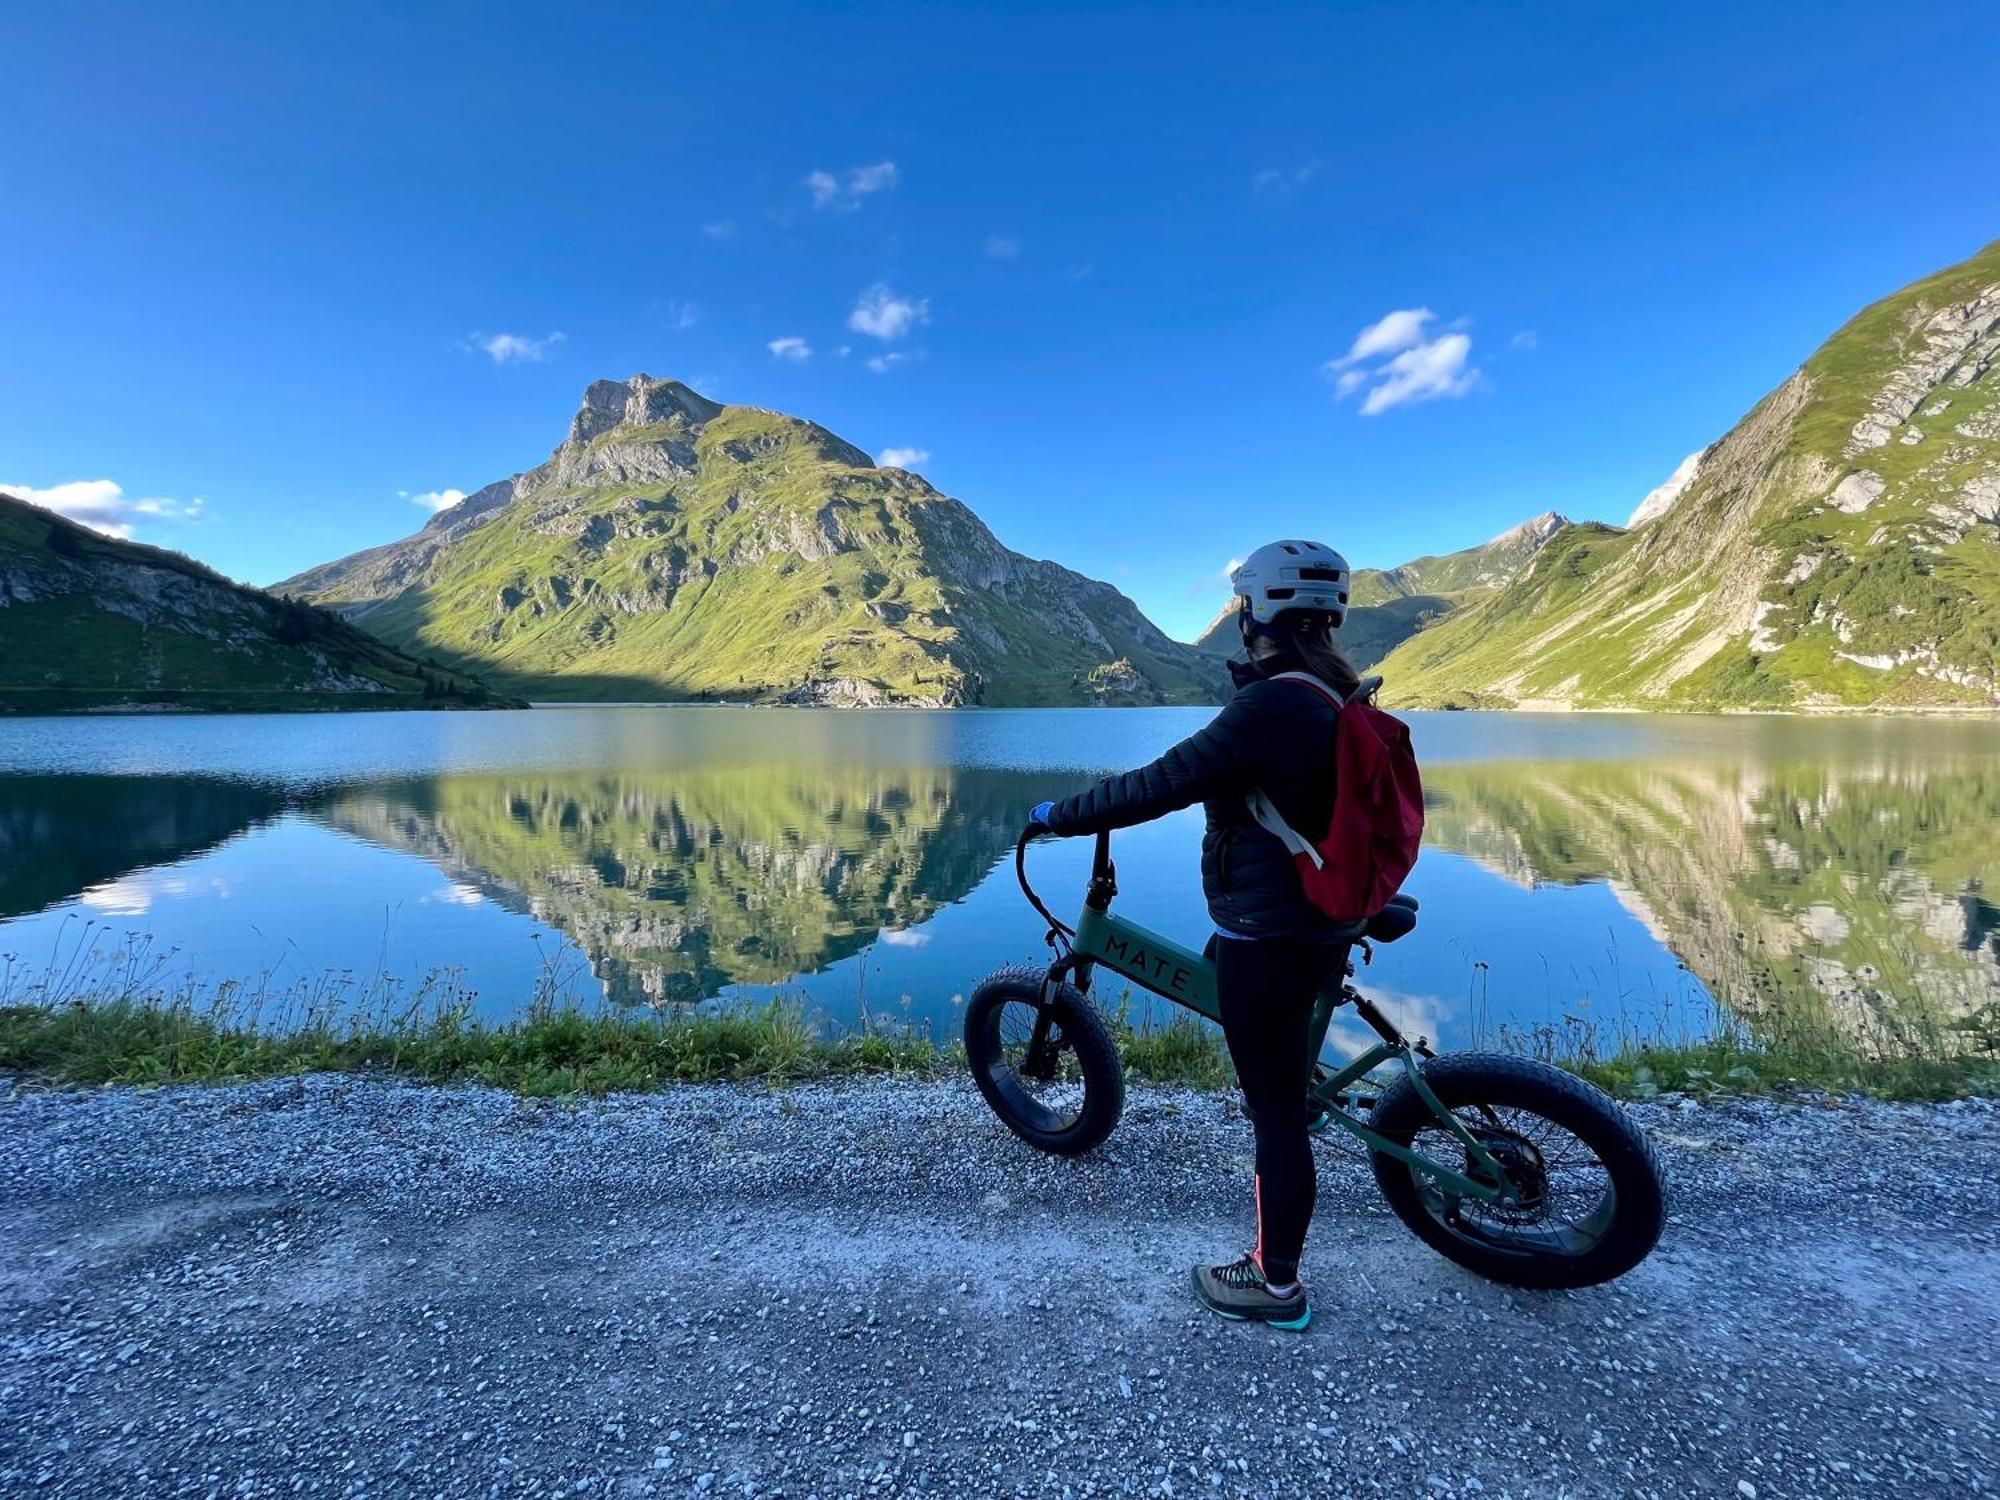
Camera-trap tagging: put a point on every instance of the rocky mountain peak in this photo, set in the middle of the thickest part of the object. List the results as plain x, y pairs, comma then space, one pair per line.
641, 401
1536, 530
1660, 499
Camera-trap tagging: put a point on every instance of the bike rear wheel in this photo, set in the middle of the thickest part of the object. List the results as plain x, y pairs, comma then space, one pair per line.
1043, 1061
1590, 1197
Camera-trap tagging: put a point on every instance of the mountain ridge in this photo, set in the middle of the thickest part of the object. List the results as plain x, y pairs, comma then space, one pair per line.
1837, 548
89, 621
673, 548
1389, 605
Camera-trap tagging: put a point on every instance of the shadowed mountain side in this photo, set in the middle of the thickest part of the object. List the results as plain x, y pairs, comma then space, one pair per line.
90, 621
60, 835
1389, 605
1856, 892
677, 884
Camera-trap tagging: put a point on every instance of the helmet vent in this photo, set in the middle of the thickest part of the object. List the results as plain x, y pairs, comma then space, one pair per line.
1320, 575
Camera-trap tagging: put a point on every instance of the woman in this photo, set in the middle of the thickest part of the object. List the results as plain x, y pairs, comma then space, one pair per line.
1273, 950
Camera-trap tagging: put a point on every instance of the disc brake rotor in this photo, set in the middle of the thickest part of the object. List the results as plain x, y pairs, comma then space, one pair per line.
1526, 1178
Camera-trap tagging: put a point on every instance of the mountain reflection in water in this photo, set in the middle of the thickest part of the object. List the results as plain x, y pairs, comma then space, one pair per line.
1841, 873
677, 885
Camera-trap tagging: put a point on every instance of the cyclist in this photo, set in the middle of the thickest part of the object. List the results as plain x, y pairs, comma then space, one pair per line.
1272, 948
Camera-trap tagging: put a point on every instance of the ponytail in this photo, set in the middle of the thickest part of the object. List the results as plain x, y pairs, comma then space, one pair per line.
1311, 636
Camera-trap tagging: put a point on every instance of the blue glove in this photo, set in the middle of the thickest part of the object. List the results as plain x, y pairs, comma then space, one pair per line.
1038, 815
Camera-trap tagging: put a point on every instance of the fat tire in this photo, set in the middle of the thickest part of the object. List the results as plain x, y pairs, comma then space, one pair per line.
1468, 1078
1096, 1055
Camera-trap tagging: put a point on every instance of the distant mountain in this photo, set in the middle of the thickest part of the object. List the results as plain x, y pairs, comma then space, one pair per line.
1837, 548
1389, 605
88, 621
675, 548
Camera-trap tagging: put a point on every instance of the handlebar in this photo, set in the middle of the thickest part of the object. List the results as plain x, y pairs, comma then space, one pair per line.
1056, 925
1103, 879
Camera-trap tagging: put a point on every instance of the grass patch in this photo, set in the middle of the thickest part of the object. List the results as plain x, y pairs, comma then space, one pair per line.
550, 1051
1912, 1059
123, 1025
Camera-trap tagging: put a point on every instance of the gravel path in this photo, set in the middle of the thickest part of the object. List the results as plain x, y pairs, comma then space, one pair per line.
334, 1287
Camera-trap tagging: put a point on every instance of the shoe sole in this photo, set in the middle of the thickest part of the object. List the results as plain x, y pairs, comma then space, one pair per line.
1290, 1325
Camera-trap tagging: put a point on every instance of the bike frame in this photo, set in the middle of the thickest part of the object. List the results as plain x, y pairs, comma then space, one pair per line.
1163, 967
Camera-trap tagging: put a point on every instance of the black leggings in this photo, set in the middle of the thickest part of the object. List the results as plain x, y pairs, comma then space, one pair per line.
1266, 987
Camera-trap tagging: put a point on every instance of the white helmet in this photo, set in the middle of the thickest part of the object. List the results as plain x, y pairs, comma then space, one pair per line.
1292, 575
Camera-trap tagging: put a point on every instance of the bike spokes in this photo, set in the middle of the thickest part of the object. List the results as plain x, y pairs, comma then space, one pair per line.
1039, 1068
1558, 1194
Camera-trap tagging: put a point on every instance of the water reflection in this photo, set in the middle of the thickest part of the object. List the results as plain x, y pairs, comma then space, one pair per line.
676, 885
1857, 893
1846, 877
63, 836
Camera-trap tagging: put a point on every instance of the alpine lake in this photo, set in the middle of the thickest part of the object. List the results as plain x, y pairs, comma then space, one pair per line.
1586, 878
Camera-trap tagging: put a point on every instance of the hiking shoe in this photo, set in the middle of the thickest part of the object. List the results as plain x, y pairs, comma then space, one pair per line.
1238, 1291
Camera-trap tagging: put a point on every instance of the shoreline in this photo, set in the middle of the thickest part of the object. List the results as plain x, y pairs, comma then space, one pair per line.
555, 1050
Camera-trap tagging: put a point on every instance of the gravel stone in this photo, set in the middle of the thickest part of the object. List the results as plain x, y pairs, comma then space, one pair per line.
340, 1287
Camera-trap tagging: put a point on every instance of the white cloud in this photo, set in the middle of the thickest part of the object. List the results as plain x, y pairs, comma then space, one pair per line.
1387, 334
515, 348
719, 229
1229, 569
1002, 246
133, 895
435, 500
903, 458
1420, 367
903, 937
1430, 370
1527, 338
792, 348
882, 313
101, 505
1285, 179
846, 190
684, 315
455, 893
882, 364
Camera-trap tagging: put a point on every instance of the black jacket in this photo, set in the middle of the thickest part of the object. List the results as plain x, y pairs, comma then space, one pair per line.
1276, 737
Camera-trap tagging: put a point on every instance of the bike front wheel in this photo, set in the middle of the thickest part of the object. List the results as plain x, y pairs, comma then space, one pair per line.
1044, 1061
1587, 1202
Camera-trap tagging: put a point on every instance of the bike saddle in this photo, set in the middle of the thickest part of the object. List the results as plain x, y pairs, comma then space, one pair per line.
1393, 920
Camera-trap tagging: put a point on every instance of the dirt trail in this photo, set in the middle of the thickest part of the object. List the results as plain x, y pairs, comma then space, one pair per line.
343, 1288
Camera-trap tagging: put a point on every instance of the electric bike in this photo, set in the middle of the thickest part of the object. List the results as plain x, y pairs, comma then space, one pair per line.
1515, 1169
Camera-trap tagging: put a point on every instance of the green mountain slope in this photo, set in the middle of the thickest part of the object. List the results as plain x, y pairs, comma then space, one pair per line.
674, 548
1837, 548
1389, 605
88, 621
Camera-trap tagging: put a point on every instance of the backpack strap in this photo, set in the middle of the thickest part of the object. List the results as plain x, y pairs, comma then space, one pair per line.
1263, 809
1324, 689
1267, 816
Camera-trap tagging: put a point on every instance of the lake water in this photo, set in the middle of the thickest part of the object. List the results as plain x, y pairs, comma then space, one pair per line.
1624, 873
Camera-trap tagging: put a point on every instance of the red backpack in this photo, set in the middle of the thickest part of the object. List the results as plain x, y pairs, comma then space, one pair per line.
1378, 811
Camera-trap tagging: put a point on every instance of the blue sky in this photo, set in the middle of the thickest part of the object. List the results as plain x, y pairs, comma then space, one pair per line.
306, 265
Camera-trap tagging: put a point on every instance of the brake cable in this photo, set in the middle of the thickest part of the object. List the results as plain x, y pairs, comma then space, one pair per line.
1060, 932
